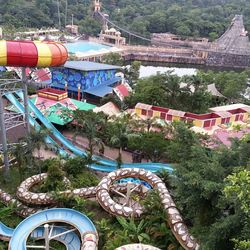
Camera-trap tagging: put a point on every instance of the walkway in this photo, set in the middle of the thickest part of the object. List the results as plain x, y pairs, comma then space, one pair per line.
110, 153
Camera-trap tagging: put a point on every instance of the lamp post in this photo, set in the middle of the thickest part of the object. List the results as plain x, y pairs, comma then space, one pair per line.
25, 99
66, 87
79, 92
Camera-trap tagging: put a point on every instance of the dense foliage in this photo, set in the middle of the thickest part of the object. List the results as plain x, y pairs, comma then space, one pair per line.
186, 18
190, 93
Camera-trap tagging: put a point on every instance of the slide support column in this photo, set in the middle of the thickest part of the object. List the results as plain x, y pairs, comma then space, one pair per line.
46, 236
4, 138
25, 99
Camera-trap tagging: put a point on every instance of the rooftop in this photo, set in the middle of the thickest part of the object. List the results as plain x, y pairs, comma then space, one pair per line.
88, 66
229, 107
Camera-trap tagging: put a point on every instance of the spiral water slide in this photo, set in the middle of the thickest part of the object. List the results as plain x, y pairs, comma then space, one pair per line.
103, 194
33, 226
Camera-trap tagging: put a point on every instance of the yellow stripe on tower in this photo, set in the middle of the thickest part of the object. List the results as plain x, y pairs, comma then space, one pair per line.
44, 54
3, 53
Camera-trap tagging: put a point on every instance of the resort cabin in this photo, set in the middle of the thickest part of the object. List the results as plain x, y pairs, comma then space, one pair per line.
239, 111
86, 80
219, 115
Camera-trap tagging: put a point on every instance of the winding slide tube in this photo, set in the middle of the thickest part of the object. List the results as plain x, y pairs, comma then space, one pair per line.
32, 54
103, 194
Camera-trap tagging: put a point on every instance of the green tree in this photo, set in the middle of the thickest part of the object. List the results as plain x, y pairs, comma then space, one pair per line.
152, 144
237, 191
75, 166
90, 125
119, 133
113, 59
132, 74
55, 179
22, 156
238, 185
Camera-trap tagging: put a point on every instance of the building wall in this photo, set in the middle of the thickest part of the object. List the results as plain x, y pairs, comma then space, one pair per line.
87, 79
201, 120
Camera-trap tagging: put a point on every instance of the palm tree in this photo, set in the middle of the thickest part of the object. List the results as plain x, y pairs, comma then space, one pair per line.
22, 156
90, 124
35, 141
120, 132
172, 88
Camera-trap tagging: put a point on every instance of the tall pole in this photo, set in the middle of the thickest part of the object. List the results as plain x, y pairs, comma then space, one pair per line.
25, 99
79, 92
66, 12
4, 138
58, 12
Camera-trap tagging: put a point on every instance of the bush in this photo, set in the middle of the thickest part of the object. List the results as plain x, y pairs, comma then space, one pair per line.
55, 177
74, 166
85, 179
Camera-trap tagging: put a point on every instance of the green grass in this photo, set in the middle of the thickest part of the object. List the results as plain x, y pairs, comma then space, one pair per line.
85, 179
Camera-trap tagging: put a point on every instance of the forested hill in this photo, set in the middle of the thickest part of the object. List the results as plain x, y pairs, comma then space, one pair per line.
208, 18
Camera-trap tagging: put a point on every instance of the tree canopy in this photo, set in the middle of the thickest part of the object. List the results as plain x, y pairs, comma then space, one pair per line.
186, 18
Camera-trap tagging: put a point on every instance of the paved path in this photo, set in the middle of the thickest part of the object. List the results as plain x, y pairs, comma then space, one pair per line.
110, 153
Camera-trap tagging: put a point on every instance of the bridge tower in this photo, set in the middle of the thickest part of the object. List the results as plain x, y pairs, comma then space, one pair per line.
97, 6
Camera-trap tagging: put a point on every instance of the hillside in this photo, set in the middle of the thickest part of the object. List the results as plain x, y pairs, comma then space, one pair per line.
208, 18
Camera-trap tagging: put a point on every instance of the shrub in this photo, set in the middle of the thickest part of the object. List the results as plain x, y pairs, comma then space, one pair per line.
74, 166
55, 177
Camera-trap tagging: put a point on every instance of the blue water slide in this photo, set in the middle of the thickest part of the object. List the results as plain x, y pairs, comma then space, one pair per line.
68, 144
63, 215
5, 232
103, 164
34, 124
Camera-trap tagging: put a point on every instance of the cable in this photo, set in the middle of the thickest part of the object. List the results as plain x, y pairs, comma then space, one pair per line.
139, 36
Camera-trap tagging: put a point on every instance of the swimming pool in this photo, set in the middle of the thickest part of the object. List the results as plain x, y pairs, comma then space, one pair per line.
84, 46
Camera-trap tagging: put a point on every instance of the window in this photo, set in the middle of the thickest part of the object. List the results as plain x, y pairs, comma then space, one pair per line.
163, 115
144, 112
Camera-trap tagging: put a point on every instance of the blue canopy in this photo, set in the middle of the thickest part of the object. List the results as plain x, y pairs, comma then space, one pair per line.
2, 68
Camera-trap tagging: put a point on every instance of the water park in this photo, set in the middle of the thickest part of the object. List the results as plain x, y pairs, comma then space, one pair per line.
44, 222
127, 128
114, 188
56, 193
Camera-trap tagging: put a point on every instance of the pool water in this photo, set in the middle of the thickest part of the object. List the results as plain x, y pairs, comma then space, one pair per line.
84, 46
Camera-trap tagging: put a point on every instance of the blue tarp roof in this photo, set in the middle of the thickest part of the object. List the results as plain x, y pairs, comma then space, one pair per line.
103, 89
88, 66
100, 90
